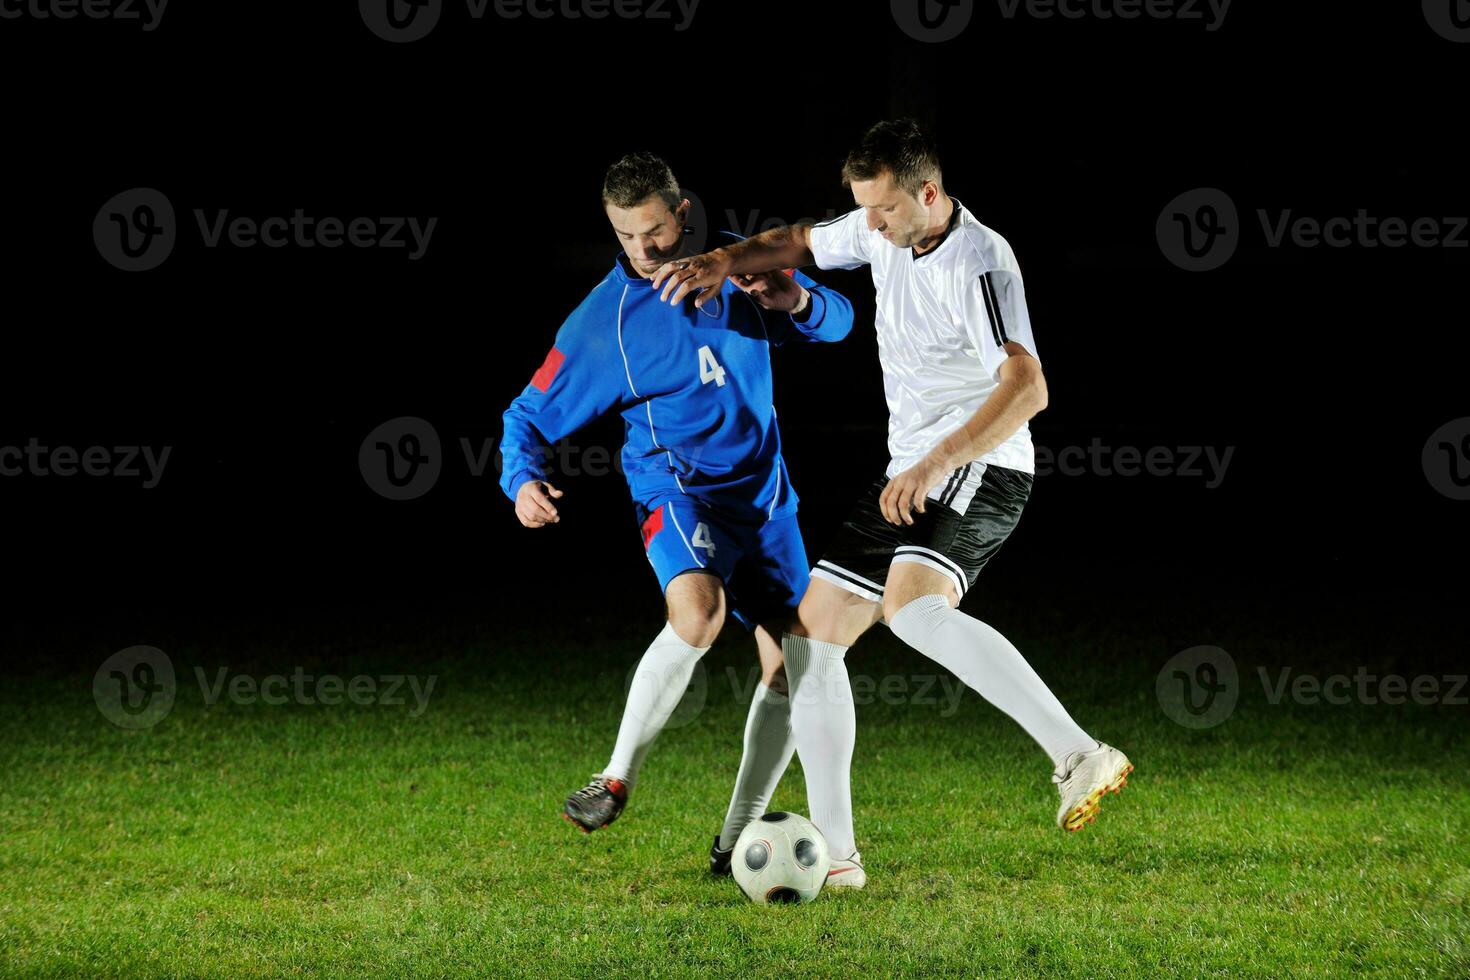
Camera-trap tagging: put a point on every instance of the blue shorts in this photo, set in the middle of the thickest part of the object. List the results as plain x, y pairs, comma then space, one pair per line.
762, 563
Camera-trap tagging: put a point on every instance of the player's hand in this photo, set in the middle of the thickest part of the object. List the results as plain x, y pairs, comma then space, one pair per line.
908, 491
534, 503
772, 290
702, 275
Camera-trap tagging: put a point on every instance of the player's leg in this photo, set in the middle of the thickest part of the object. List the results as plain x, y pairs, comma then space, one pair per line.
692, 581
765, 589
696, 611
919, 606
767, 748
823, 718
944, 551
842, 603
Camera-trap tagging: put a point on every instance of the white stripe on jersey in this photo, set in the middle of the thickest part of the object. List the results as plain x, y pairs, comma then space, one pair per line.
648, 405
942, 321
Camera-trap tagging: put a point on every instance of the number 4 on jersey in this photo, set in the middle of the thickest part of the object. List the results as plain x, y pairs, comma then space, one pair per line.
709, 368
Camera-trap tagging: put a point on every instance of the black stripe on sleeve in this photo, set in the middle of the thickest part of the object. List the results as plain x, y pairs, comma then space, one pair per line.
993, 305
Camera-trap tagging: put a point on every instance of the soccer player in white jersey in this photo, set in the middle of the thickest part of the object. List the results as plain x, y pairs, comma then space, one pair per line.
962, 377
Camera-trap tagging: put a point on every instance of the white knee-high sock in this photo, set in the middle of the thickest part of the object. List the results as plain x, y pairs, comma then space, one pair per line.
990, 666
769, 744
657, 687
825, 725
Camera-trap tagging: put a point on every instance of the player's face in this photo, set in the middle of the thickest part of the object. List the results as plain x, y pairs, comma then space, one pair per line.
903, 219
650, 232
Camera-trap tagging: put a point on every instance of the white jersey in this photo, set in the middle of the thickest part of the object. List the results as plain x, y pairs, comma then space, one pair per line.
943, 319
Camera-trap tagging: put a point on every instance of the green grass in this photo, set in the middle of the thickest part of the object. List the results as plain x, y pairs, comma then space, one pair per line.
255, 840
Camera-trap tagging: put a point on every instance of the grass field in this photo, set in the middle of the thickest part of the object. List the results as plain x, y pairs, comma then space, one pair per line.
235, 839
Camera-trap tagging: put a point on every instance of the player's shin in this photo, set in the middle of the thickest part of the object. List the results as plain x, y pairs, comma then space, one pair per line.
825, 725
769, 744
987, 663
658, 685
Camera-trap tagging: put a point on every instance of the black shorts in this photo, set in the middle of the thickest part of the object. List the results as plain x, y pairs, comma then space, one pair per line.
965, 521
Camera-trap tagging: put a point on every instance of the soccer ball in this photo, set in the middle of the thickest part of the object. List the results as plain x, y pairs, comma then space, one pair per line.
780, 858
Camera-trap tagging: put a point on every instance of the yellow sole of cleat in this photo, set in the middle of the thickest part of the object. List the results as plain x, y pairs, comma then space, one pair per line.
1086, 812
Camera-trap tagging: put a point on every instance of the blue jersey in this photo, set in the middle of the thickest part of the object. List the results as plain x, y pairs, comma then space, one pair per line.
694, 391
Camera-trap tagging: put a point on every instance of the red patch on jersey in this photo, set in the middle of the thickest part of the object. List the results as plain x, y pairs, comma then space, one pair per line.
543, 377
790, 272
652, 526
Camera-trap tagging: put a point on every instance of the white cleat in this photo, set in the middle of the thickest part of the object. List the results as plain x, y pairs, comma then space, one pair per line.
847, 872
1084, 779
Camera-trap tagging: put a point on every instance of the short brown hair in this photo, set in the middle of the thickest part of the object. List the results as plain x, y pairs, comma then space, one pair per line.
900, 147
637, 177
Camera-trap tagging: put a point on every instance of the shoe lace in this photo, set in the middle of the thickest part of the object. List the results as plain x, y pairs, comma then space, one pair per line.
594, 789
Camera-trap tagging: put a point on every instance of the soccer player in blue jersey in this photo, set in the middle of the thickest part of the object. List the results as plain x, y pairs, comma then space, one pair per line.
703, 461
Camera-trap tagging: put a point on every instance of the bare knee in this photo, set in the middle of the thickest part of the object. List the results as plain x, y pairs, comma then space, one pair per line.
908, 581
833, 615
773, 662
696, 604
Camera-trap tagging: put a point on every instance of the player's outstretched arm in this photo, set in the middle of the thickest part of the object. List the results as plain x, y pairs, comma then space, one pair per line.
704, 275
816, 312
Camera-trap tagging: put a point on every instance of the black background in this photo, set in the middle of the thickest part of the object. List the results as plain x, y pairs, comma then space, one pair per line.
1325, 370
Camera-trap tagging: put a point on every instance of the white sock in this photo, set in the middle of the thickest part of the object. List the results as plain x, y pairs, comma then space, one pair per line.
658, 685
825, 726
990, 666
769, 744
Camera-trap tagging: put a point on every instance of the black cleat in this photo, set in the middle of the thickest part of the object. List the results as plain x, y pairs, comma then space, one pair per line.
719, 861
597, 804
